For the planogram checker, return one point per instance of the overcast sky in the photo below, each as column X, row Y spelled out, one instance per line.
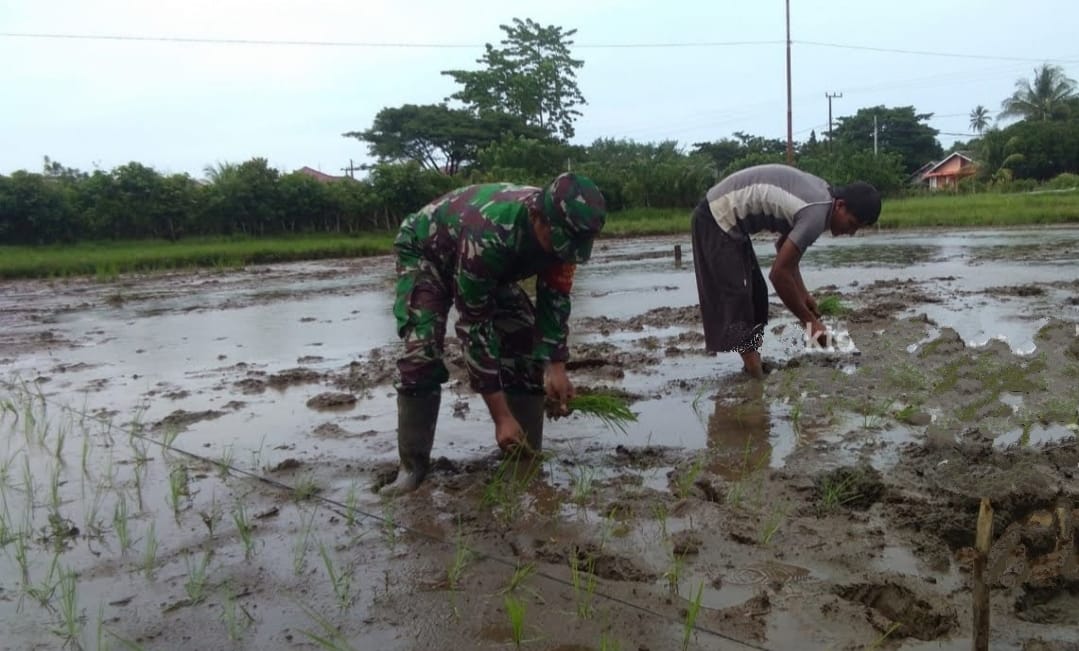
column 182, row 106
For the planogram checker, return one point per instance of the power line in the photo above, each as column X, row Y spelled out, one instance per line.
column 956, row 55
column 199, row 40
column 435, row 45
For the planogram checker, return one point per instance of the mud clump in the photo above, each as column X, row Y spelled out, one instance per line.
column 332, row 401
column 1023, row 291
column 181, row 419
column 747, row 620
column 292, row 377
column 250, row 385
column 893, row 605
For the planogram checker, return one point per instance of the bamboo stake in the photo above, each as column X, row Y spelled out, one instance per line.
column 982, row 541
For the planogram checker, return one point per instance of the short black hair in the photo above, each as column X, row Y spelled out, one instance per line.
column 863, row 201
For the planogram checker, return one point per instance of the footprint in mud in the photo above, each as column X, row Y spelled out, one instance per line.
column 770, row 573
column 895, row 608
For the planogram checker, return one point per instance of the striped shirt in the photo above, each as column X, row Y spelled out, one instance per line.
column 775, row 198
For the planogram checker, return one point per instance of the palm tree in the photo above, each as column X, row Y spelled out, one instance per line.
column 979, row 119
column 1044, row 98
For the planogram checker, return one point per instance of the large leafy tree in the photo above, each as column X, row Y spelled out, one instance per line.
column 900, row 129
column 435, row 136
column 532, row 76
column 1045, row 97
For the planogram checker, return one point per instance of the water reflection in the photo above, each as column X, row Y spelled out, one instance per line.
column 739, row 430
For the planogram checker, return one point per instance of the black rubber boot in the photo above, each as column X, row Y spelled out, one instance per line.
column 416, row 420
column 528, row 409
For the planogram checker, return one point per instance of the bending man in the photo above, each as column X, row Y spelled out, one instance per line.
column 777, row 198
column 469, row 249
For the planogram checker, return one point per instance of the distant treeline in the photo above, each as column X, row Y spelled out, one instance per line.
column 133, row 201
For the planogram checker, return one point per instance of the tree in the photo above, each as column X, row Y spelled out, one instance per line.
column 1045, row 98
column 532, row 77
column 899, row 129
column 437, row 137
column 979, row 119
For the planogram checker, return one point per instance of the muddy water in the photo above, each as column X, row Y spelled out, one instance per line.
column 287, row 371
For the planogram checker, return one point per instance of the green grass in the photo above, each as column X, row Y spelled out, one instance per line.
column 106, row 260
column 611, row 409
column 1021, row 209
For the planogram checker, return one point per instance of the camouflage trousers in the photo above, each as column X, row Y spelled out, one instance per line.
column 421, row 309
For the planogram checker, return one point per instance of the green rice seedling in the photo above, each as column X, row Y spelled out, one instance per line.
column 256, row 454
column 212, row 516
column 659, row 510
column 608, row 643
column 831, row 305
column 302, row 543
column 195, row 586
column 178, row 489
column 141, row 450
column 674, row 571
column 584, row 584
column 583, row 480
column 352, row 502
column 136, row 478
column 610, row 409
column 119, row 524
column 462, row 556
column 101, row 643
column 692, row 612
column 685, row 481
column 512, row 477
column 836, row 490
column 879, row 642
column 92, row 524
column 130, row 645
column 85, row 456
column 54, row 489
column 515, row 610
column 43, row 591
column 61, row 437
column 517, row 581
column 149, row 553
column 389, row 524
column 235, row 616
column 244, row 529
column 340, row 579
column 796, row 418
column 169, row 436
column 305, row 488
column 773, row 524
column 21, row 555
column 329, row 637
column 224, row 462
column 698, row 401
column 70, row 617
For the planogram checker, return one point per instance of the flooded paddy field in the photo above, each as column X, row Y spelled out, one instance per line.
column 188, row 461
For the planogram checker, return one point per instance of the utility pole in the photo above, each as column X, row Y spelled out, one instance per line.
column 830, row 96
column 350, row 169
column 790, row 123
column 874, row 135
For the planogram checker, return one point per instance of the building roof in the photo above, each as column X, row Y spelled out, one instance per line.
column 933, row 170
column 320, row 176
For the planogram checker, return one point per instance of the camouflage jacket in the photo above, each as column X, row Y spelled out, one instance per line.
column 478, row 238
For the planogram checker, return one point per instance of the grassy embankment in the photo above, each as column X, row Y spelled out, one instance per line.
column 944, row 210
column 106, row 260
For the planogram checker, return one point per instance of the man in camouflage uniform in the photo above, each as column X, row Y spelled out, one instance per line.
column 469, row 249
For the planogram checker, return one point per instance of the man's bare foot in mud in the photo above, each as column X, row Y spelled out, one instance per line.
column 752, row 365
